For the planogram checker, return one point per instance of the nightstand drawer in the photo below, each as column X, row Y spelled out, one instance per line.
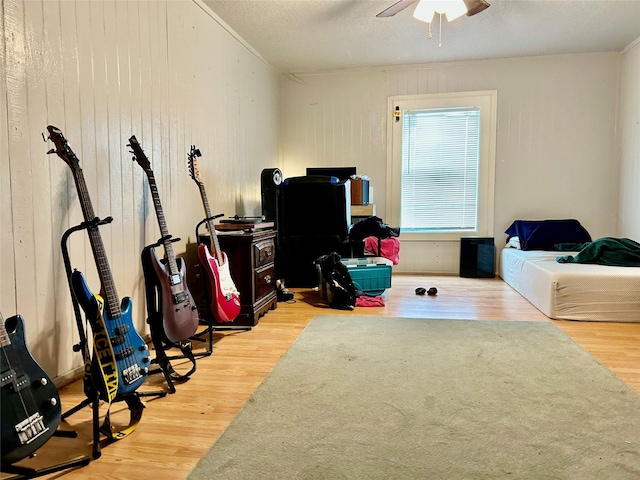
column 265, row 280
column 264, row 252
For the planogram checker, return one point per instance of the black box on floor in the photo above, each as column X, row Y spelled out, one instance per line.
column 477, row 257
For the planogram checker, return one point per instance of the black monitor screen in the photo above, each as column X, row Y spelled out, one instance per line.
column 341, row 173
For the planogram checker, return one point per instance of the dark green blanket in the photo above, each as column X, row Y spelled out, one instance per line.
column 619, row 252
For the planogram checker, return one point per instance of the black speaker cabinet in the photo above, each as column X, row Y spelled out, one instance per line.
column 270, row 180
column 477, row 257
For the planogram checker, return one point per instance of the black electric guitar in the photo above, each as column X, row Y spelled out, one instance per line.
column 30, row 405
column 180, row 317
column 225, row 298
column 121, row 360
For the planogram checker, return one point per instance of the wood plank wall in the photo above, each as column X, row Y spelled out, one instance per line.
column 167, row 72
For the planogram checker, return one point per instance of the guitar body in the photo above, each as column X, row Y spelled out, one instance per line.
column 29, row 399
column 180, row 317
column 225, row 301
column 128, row 347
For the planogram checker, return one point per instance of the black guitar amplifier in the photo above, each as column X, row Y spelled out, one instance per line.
column 477, row 257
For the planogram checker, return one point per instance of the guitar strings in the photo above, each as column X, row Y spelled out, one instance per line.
column 13, row 374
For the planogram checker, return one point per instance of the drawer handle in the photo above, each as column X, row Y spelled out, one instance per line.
column 267, row 279
column 268, row 252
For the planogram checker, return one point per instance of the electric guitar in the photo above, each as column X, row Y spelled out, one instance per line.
column 180, row 318
column 30, row 403
column 225, row 298
column 121, row 358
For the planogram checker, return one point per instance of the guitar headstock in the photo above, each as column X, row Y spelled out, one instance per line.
column 194, row 171
column 138, row 154
column 63, row 150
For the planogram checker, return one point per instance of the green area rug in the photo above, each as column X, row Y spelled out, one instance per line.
column 361, row 397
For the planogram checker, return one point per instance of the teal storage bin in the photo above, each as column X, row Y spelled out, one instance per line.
column 370, row 275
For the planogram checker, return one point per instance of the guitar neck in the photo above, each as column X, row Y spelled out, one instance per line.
column 108, row 286
column 4, row 335
column 164, row 231
column 212, row 231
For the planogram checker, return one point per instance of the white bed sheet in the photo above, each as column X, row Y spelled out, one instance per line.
column 573, row 291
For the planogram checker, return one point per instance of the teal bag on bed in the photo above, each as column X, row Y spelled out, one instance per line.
column 617, row 252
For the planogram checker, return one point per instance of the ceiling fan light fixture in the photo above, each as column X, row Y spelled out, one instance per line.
column 426, row 9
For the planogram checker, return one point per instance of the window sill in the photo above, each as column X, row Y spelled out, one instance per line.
column 436, row 237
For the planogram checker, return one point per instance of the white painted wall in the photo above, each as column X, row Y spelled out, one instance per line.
column 557, row 142
column 169, row 73
column 629, row 217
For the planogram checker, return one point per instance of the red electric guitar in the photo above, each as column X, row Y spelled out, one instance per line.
column 179, row 312
column 225, row 298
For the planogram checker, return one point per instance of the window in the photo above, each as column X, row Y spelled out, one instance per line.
column 442, row 165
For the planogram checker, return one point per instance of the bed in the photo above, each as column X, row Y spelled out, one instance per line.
column 571, row 291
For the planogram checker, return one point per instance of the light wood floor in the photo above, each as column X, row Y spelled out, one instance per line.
column 176, row 431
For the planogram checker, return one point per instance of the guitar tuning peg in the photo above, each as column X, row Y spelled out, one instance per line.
column 44, row 139
column 51, row 151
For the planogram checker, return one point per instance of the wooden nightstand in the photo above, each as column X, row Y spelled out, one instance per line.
column 251, row 257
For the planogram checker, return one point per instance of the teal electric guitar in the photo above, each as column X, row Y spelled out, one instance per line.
column 29, row 403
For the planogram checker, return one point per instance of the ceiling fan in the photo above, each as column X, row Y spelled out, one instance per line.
column 473, row 7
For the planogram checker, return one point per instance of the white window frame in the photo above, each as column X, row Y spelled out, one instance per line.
column 486, row 101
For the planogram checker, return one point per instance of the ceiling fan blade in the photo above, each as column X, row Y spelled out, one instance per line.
column 475, row 6
column 395, row 8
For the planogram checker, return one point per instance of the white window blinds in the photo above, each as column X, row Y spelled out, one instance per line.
column 440, row 170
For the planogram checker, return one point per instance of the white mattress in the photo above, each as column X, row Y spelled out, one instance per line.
column 573, row 291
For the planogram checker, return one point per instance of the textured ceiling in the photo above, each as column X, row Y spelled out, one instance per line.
column 310, row 35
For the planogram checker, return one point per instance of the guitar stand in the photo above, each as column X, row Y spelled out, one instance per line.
column 211, row 322
column 90, row 390
column 161, row 344
column 20, row 473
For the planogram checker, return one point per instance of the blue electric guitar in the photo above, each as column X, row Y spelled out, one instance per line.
column 121, row 357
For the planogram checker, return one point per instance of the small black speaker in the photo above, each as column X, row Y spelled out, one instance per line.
column 477, row 257
column 270, row 180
